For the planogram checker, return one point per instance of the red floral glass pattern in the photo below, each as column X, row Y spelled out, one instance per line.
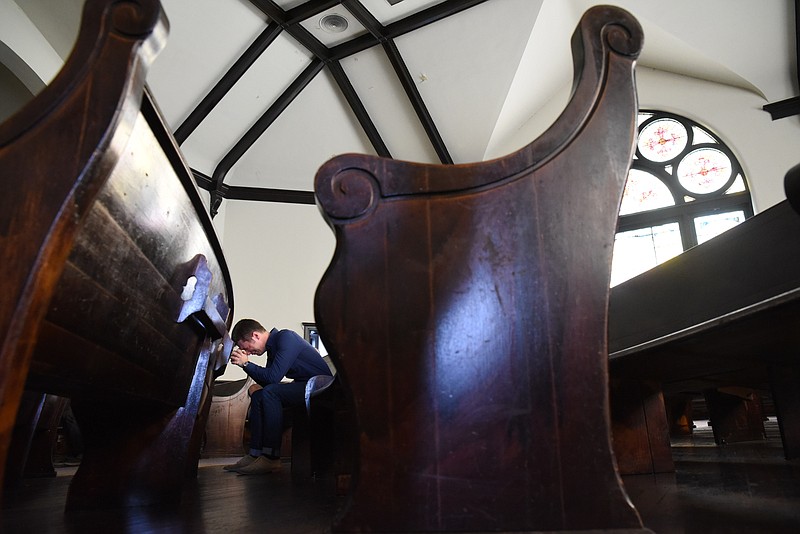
column 662, row 140
column 643, row 191
column 684, row 187
column 704, row 170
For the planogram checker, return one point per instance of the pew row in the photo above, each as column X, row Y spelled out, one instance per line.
column 116, row 292
column 465, row 310
column 722, row 315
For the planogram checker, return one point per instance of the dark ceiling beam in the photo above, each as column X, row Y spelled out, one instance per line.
column 308, row 10
column 790, row 106
column 290, row 21
column 395, row 58
column 416, row 101
column 259, row 194
column 257, row 129
column 225, row 84
column 264, row 194
column 401, row 27
column 296, row 14
column 365, row 17
column 429, row 16
column 783, row 108
column 358, row 108
column 353, row 46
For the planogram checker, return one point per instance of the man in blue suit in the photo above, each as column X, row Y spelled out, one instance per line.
column 288, row 356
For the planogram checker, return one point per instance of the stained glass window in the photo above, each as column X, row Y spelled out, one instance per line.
column 637, row 251
column 704, row 170
column 643, row 191
column 685, row 187
column 662, row 139
column 738, row 186
column 709, row 226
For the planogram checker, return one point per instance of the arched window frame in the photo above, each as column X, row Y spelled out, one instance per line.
column 688, row 205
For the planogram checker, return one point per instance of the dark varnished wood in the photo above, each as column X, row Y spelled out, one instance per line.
column 721, row 314
column 734, row 278
column 736, row 415
column 30, row 411
column 465, row 311
column 226, row 419
column 639, row 428
column 39, row 462
column 791, row 184
column 105, row 228
column 786, row 395
column 29, row 236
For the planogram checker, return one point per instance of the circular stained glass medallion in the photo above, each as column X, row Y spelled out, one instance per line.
column 704, row 170
column 662, row 140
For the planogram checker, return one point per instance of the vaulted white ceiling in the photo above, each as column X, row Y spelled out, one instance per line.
column 480, row 73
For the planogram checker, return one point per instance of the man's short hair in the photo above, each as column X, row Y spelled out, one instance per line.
column 243, row 330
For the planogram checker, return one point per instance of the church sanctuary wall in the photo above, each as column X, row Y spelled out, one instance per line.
column 277, row 254
column 765, row 148
column 27, row 60
column 25, row 51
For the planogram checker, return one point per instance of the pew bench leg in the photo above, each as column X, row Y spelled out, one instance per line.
column 30, row 409
column 735, row 414
column 680, row 415
column 137, row 454
column 119, row 467
column 312, row 443
column 639, row 427
column 786, row 395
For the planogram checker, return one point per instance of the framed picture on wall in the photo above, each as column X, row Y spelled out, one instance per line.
column 311, row 334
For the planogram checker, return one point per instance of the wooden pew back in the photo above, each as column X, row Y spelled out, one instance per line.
column 465, row 309
column 105, row 229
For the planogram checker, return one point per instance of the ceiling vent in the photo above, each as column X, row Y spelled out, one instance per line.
column 333, row 23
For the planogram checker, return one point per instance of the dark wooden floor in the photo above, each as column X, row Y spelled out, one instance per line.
column 742, row 488
column 739, row 488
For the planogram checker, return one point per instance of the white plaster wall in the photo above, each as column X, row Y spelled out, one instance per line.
column 13, row 93
column 277, row 254
column 765, row 148
column 24, row 50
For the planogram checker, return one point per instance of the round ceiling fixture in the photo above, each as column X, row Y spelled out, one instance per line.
column 333, row 23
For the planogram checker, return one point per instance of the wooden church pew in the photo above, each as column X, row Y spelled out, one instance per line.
column 225, row 429
column 724, row 314
column 35, row 436
column 116, row 292
column 465, row 310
